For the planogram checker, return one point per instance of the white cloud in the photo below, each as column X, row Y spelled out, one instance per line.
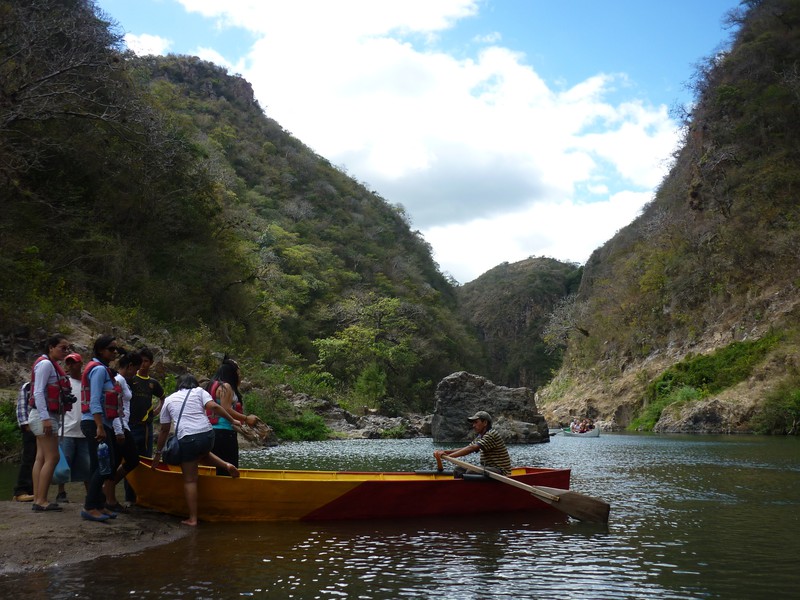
column 489, row 38
column 145, row 44
column 564, row 230
column 490, row 162
column 212, row 55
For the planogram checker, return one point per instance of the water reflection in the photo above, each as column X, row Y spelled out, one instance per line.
column 690, row 516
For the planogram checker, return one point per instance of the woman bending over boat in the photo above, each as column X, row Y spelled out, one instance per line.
column 195, row 435
column 224, row 389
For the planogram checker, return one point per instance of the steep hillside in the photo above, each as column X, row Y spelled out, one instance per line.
column 156, row 194
column 509, row 306
column 711, row 266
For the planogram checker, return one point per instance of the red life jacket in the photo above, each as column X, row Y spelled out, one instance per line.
column 112, row 399
column 53, row 391
column 214, row 417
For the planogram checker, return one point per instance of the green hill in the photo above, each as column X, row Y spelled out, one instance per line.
column 156, row 194
column 509, row 308
column 710, row 268
column 153, row 197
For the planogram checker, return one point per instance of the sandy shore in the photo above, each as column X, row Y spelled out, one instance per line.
column 31, row 541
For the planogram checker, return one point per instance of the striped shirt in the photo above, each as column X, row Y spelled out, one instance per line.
column 494, row 452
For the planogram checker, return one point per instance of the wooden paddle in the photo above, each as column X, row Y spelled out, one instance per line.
column 583, row 508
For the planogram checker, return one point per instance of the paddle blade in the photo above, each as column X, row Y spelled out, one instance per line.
column 583, row 508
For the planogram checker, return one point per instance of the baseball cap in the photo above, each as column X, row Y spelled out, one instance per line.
column 481, row 414
column 74, row 357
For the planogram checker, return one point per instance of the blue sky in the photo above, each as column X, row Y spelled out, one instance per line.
column 506, row 128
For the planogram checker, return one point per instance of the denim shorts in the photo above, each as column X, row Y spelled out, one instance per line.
column 76, row 450
column 196, row 446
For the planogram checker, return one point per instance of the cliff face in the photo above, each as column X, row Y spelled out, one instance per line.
column 712, row 261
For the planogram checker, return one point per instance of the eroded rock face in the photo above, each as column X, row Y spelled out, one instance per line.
column 513, row 410
column 710, row 415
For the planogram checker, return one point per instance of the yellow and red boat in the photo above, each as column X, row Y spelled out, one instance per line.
column 274, row 495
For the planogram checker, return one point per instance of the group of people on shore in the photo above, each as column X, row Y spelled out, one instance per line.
column 109, row 404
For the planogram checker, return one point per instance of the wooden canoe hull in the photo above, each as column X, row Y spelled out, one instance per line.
column 271, row 495
column 593, row 433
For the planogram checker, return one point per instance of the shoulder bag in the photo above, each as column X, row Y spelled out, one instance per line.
column 171, row 453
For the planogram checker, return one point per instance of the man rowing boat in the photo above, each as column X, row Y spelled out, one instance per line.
column 494, row 454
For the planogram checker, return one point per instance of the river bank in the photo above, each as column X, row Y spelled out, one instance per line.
column 33, row 541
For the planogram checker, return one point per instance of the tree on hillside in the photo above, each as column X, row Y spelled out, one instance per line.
column 179, row 206
column 58, row 61
column 87, row 160
column 567, row 317
column 375, row 353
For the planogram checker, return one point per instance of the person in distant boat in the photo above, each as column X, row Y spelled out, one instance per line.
column 575, row 426
column 195, row 436
column 494, row 454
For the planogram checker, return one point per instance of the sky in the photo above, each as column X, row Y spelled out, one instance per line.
column 505, row 128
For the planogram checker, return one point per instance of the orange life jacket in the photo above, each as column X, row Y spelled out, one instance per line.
column 53, row 391
column 112, row 399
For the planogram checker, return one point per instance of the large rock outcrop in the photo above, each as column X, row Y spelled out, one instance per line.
column 513, row 410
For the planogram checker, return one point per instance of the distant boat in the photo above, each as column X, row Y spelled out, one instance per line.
column 591, row 433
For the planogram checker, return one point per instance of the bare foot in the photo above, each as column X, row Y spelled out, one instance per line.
column 190, row 522
column 233, row 471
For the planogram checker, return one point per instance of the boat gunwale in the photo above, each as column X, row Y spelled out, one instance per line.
column 324, row 475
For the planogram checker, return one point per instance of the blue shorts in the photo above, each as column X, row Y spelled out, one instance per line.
column 76, row 451
column 196, row 446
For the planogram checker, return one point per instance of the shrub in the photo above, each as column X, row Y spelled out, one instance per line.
column 395, row 433
column 651, row 413
column 696, row 377
column 308, row 426
column 713, row 372
column 308, row 380
column 780, row 413
column 10, row 440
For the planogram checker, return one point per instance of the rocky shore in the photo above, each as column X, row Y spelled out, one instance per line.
column 32, row 541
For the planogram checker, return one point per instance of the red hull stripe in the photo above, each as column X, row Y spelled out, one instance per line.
column 390, row 499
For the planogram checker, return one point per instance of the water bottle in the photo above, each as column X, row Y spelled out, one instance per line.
column 103, row 459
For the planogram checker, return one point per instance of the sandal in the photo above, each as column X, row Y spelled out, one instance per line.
column 52, row 507
column 90, row 517
column 117, row 508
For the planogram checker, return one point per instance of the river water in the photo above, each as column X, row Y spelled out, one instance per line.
column 691, row 517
